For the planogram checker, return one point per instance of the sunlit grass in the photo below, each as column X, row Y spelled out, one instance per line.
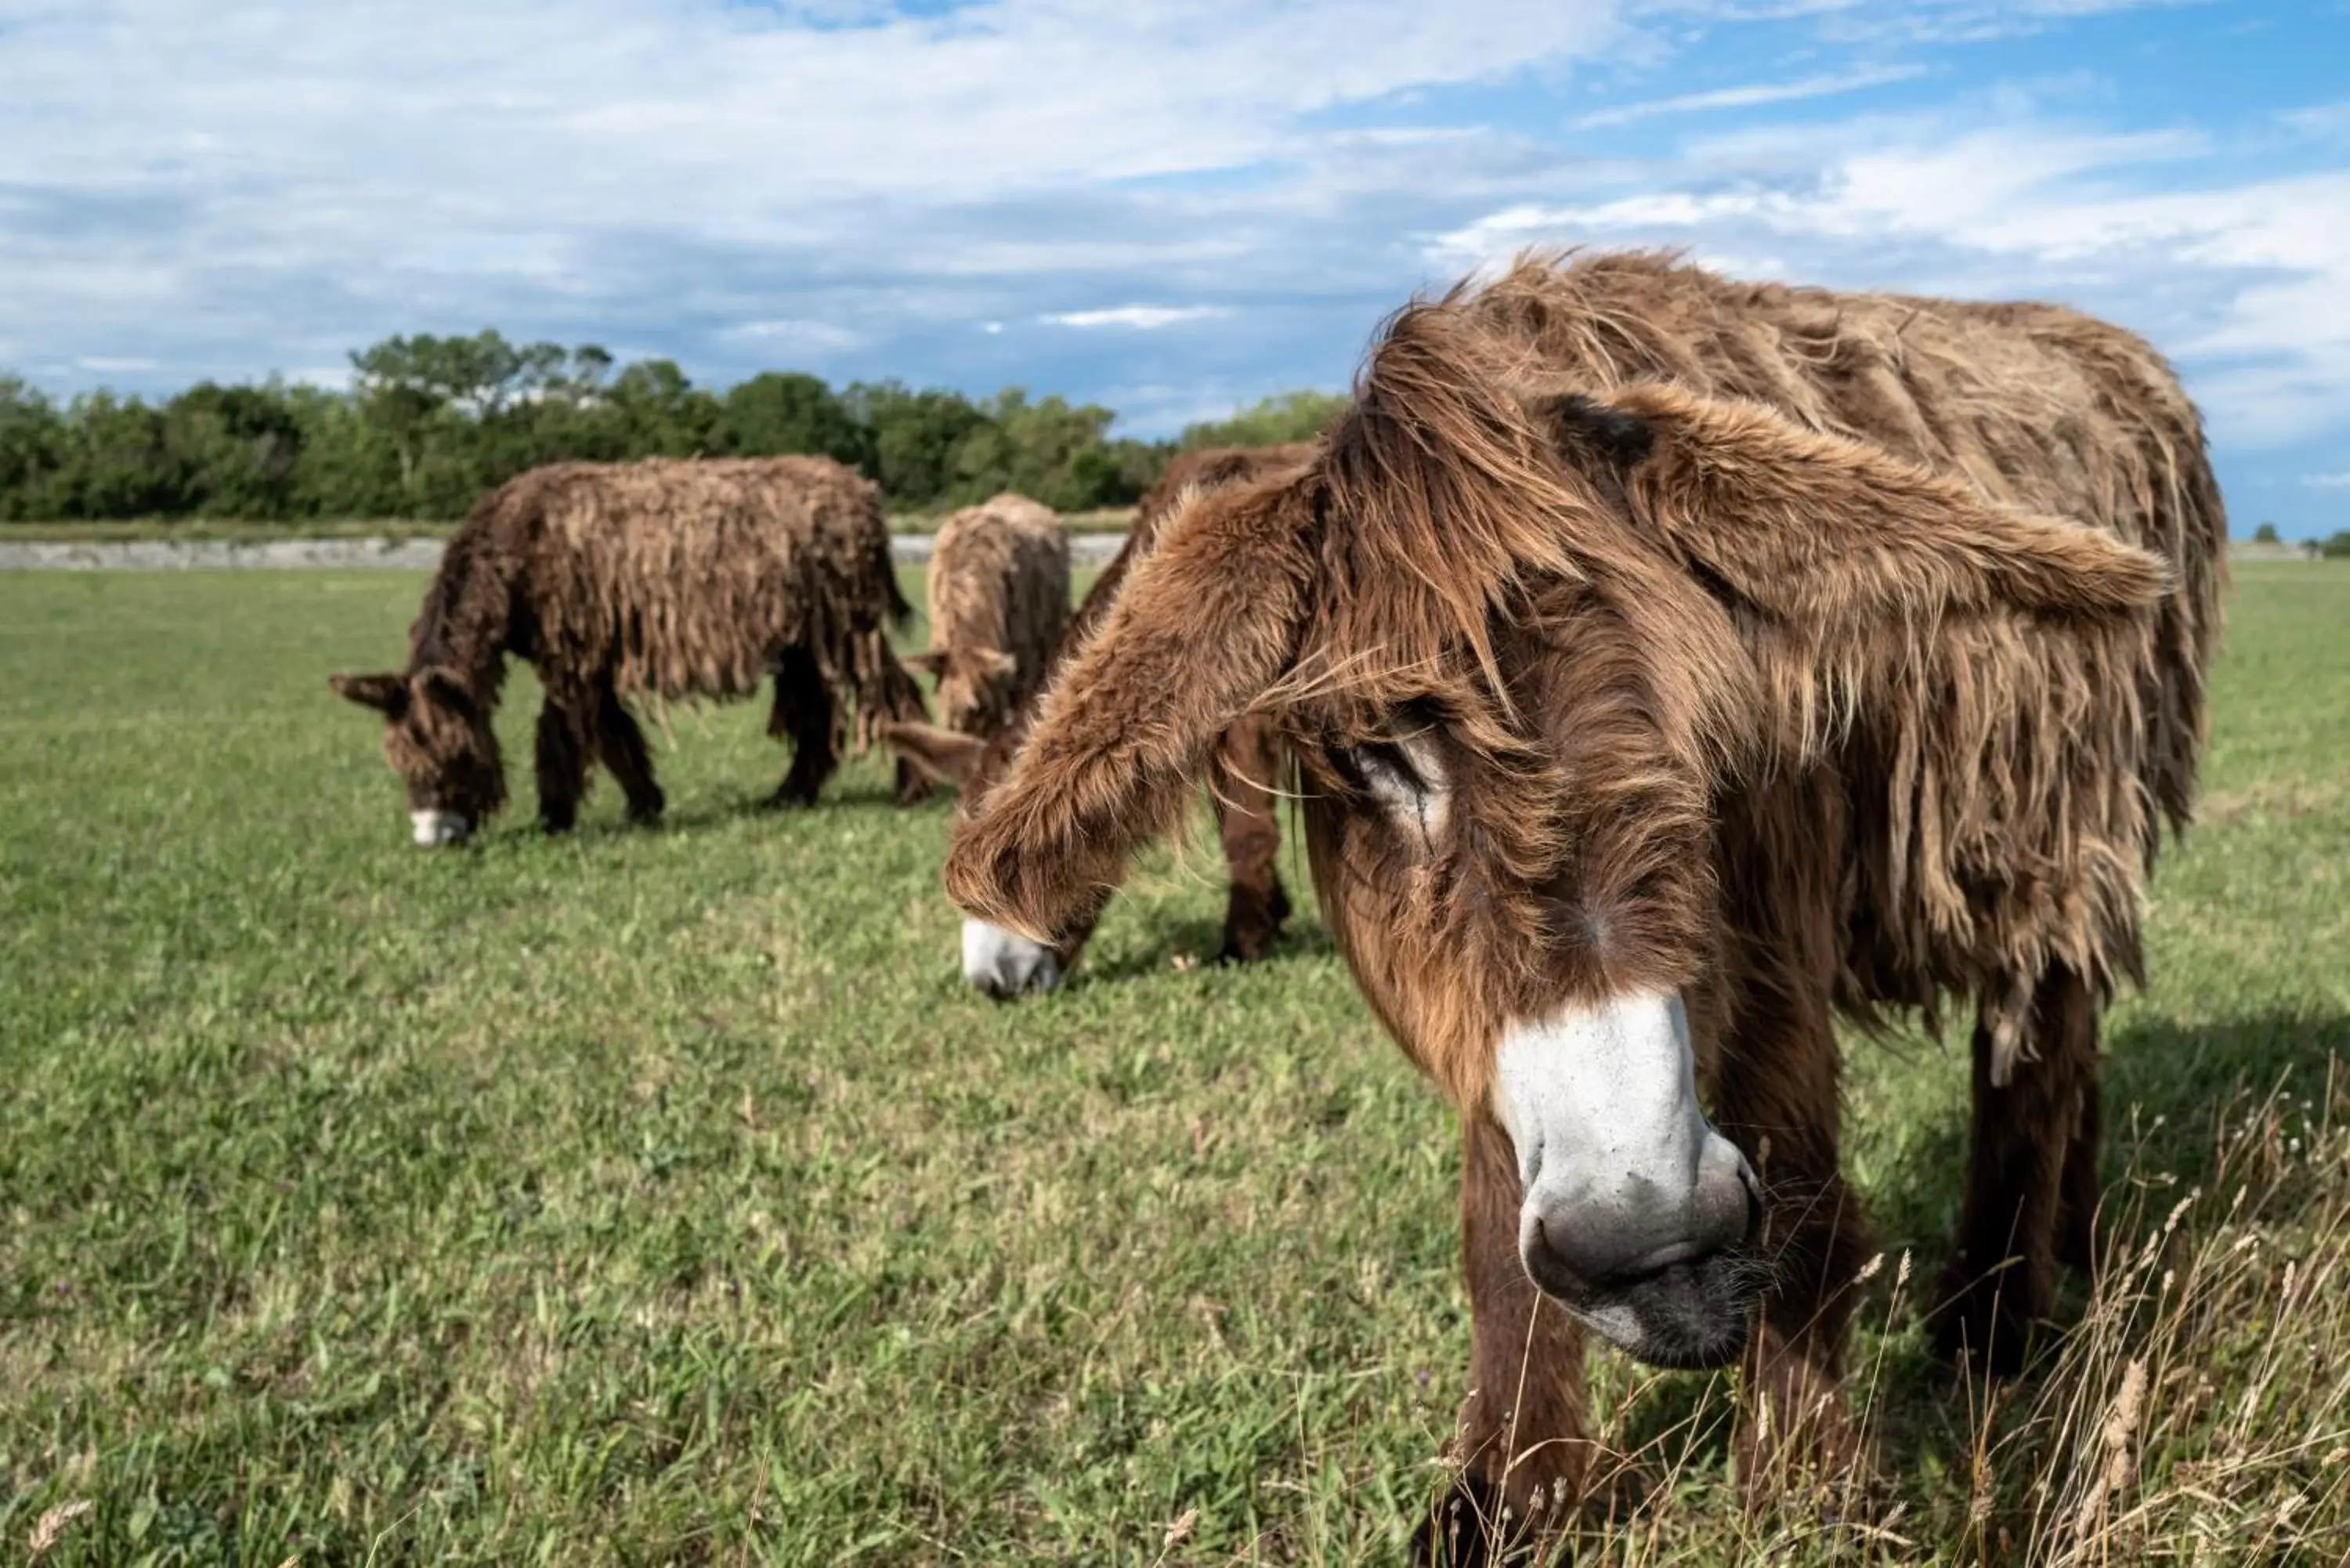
column 644, row 1197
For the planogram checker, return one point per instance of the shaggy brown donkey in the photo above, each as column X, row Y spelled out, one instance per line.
column 1241, row 769
column 662, row 579
column 1673, row 664
column 999, row 593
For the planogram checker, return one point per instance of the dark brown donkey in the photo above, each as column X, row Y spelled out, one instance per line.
column 662, row 579
column 1673, row 664
column 1241, row 767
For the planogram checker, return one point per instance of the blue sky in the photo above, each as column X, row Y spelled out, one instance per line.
column 1171, row 207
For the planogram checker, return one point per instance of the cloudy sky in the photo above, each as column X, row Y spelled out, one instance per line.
column 1169, row 207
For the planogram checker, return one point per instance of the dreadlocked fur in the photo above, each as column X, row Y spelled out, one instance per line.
column 999, row 602
column 1243, row 766
column 1793, row 652
column 662, row 580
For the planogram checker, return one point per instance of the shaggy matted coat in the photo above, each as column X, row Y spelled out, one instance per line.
column 662, row 580
column 1242, row 773
column 1642, row 634
column 999, row 603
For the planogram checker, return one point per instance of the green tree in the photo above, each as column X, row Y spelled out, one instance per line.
column 32, row 435
column 2335, row 547
column 1269, row 421
column 778, row 412
column 662, row 413
column 118, row 461
column 914, row 438
column 236, row 448
column 2266, row 534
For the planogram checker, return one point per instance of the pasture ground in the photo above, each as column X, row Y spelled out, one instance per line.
column 642, row 1197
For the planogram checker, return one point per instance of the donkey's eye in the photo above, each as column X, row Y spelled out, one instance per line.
column 1387, row 770
column 1405, row 778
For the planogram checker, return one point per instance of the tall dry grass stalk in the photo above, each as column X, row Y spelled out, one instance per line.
column 2200, row 1411
column 2197, row 1411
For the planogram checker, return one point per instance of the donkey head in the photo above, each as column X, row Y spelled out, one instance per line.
column 974, row 687
column 1004, row 964
column 1521, row 637
column 440, row 741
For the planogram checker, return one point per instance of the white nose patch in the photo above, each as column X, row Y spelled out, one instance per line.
column 1600, row 1103
column 433, row 828
column 1004, row 963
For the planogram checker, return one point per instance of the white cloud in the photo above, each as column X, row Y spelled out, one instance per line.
column 112, row 364
column 250, row 183
column 799, row 335
column 1749, row 97
column 1141, row 317
column 2327, row 480
column 2249, row 282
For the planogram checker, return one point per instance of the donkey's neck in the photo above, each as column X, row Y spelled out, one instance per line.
column 467, row 618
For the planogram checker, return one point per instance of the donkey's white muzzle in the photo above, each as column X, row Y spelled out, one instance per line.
column 1625, row 1183
column 1004, row 963
column 434, row 828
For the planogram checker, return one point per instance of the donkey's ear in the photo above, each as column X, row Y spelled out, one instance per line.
column 386, row 693
column 1201, row 627
column 439, row 685
column 1831, row 534
column 943, row 756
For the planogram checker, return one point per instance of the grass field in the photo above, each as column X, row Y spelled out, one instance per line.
column 661, row 1196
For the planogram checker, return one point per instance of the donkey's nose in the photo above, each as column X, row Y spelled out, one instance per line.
column 432, row 830
column 1576, row 1243
column 1005, row 964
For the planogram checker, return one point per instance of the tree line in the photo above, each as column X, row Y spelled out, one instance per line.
column 429, row 423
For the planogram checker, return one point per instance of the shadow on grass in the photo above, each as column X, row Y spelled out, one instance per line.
column 1198, row 941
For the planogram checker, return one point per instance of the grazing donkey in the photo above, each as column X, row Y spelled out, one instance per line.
column 999, row 593
column 1671, row 665
column 664, row 579
column 1240, row 770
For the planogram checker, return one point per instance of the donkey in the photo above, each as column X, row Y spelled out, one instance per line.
column 1242, row 770
column 665, row 579
column 1671, row 665
column 999, row 601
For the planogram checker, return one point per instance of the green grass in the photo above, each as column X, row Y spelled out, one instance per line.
column 651, row 1196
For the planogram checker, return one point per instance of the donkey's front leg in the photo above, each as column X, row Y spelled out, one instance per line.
column 1523, row 1456
column 1779, row 1102
column 562, row 758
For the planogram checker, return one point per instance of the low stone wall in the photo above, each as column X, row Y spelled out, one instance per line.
column 360, row 554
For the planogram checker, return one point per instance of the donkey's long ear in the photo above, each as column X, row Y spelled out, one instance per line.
column 1831, row 536
column 386, row 693
column 1200, row 628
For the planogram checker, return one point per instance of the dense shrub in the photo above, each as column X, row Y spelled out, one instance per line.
column 430, row 423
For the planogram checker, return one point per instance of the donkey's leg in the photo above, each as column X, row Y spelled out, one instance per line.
column 804, row 710
column 2002, row 1276
column 2076, row 1209
column 621, row 744
column 1778, row 1103
column 1525, row 1460
column 561, row 757
column 1242, row 779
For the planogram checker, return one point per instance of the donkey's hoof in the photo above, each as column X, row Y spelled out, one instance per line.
column 789, row 797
